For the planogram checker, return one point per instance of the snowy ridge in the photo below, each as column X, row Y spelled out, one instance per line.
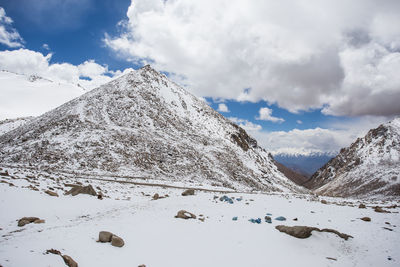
column 369, row 167
column 143, row 125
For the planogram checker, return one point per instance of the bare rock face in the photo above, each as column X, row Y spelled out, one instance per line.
column 117, row 241
column 305, row 231
column 26, row 220
column 105, row 236
column 77, row 189
column 188, row 192
column 183, row 214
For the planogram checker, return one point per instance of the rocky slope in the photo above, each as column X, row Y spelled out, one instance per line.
column 143, row 125
column 369, row 167
column 11, row 124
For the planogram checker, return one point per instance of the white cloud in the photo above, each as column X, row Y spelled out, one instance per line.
column 89, row 74
column 8, row 35
column 299, row 122
column 300, row 55
column 46, row 46
column 246, row 125
column 223, row 108
column 265, row 114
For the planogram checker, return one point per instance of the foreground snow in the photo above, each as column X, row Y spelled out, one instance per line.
column 154, row 237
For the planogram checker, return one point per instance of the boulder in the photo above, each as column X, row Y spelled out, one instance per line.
column 362, row 206
column 77, row 189
column 117, row 241
column 305, row 231
column 26, row 220
column 188, row 192
column 366, row 219
column 183, row 214
column 380, row 210
column 105, row 236
column 280, row 218
column 268, row 219
column 156, row 196
column 324, row 201
column 69, row 261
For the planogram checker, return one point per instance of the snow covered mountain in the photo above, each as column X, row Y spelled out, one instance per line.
column 369, row 167
column 142, row 125
column 19, row 91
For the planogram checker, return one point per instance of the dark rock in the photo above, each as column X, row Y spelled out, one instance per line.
column 51, row 193
column 77, row 189
column 305, row 231
column 235, row 218
column 362, row 206
column 324, row 201
column 268, row 219
column 380, row 210
column 257, row 221
column 156, row 196
column 188, row 192
column 280, row 218
column 26, row 220
column 295, row 219
column 105, row 236
column 69, row 261
column 183, row 214
column 366, row 219
column 53, row 251
column 117, row 241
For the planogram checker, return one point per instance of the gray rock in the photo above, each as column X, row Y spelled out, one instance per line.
column 188, row 192
column 105, row 236
column 117, row 241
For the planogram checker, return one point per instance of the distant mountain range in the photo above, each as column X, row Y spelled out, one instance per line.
column 306, row 165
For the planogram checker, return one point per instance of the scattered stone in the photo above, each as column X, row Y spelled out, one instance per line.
column 295, row 219
column 33, row 188
column 269, row 214
column 202, row 219
column 380, row 210
column 268, row 219
column 26, row 220
column 280, row 218
column 387, row 223
column 51, row 193
column 362, row 206
column 105, row 236
column 235, row 218
column 258, row 220
column 386, row 228
column 188, row 192
column 366, row 219
column 100, row 195
column 53, row 251
column 142, row 265
column 305, row 231
column 324, row 201
column 69, row 261
column 183, row 214
column 117, row 241
column 227, row 199
column 156, row 196
column 329, row 258
column 77, row 189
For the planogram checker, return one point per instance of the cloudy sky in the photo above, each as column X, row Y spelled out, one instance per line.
column 301, row 76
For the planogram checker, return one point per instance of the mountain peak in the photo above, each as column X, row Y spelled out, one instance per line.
column 144, row 125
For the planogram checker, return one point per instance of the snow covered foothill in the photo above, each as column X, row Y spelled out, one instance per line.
column 154, row 237
column 11, row 124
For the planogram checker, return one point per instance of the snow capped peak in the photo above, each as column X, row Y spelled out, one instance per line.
column 144, row 125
